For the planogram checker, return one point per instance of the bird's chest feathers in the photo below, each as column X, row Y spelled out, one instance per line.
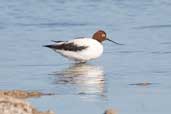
column 94, row 50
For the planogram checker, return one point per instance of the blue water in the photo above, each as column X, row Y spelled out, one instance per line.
column 113, row 80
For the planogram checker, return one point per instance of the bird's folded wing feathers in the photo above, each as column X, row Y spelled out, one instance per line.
column 73, row 45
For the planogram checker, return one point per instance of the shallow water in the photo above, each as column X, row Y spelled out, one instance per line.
column 132, row 78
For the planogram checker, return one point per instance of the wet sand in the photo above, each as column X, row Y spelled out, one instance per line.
column 22, row 94
column 13, row 102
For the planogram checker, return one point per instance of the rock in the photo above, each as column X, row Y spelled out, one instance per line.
column 110, row 111
column 12, row 102
column 11, row 105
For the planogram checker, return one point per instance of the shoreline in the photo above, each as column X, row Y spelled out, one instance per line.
column 14, row 102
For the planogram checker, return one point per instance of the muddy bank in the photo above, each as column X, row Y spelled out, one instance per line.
column 12, row 102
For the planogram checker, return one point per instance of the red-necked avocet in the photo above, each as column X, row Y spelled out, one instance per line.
column 82, row 49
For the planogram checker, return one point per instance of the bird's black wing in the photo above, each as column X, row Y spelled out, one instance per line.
column 57, row 41
column 66, row 46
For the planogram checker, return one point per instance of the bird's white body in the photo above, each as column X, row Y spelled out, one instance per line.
column 93, row 49
column 82, row 49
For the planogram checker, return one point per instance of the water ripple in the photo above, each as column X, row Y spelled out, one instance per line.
column 153, row 26
column 166, row 43
column 143, row 84
column 161, row 52
column 130, row 52
column 52, row 24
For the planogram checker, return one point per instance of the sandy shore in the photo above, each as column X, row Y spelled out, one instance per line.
column 13, row 102
column 20, row 94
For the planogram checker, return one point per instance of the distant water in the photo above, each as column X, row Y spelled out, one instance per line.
column 133, row 78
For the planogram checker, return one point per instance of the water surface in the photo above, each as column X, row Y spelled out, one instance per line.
column 133, row 78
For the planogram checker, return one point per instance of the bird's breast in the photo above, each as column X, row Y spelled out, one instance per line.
column 94, row 50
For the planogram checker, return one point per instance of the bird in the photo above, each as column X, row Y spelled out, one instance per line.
column 82, row 49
